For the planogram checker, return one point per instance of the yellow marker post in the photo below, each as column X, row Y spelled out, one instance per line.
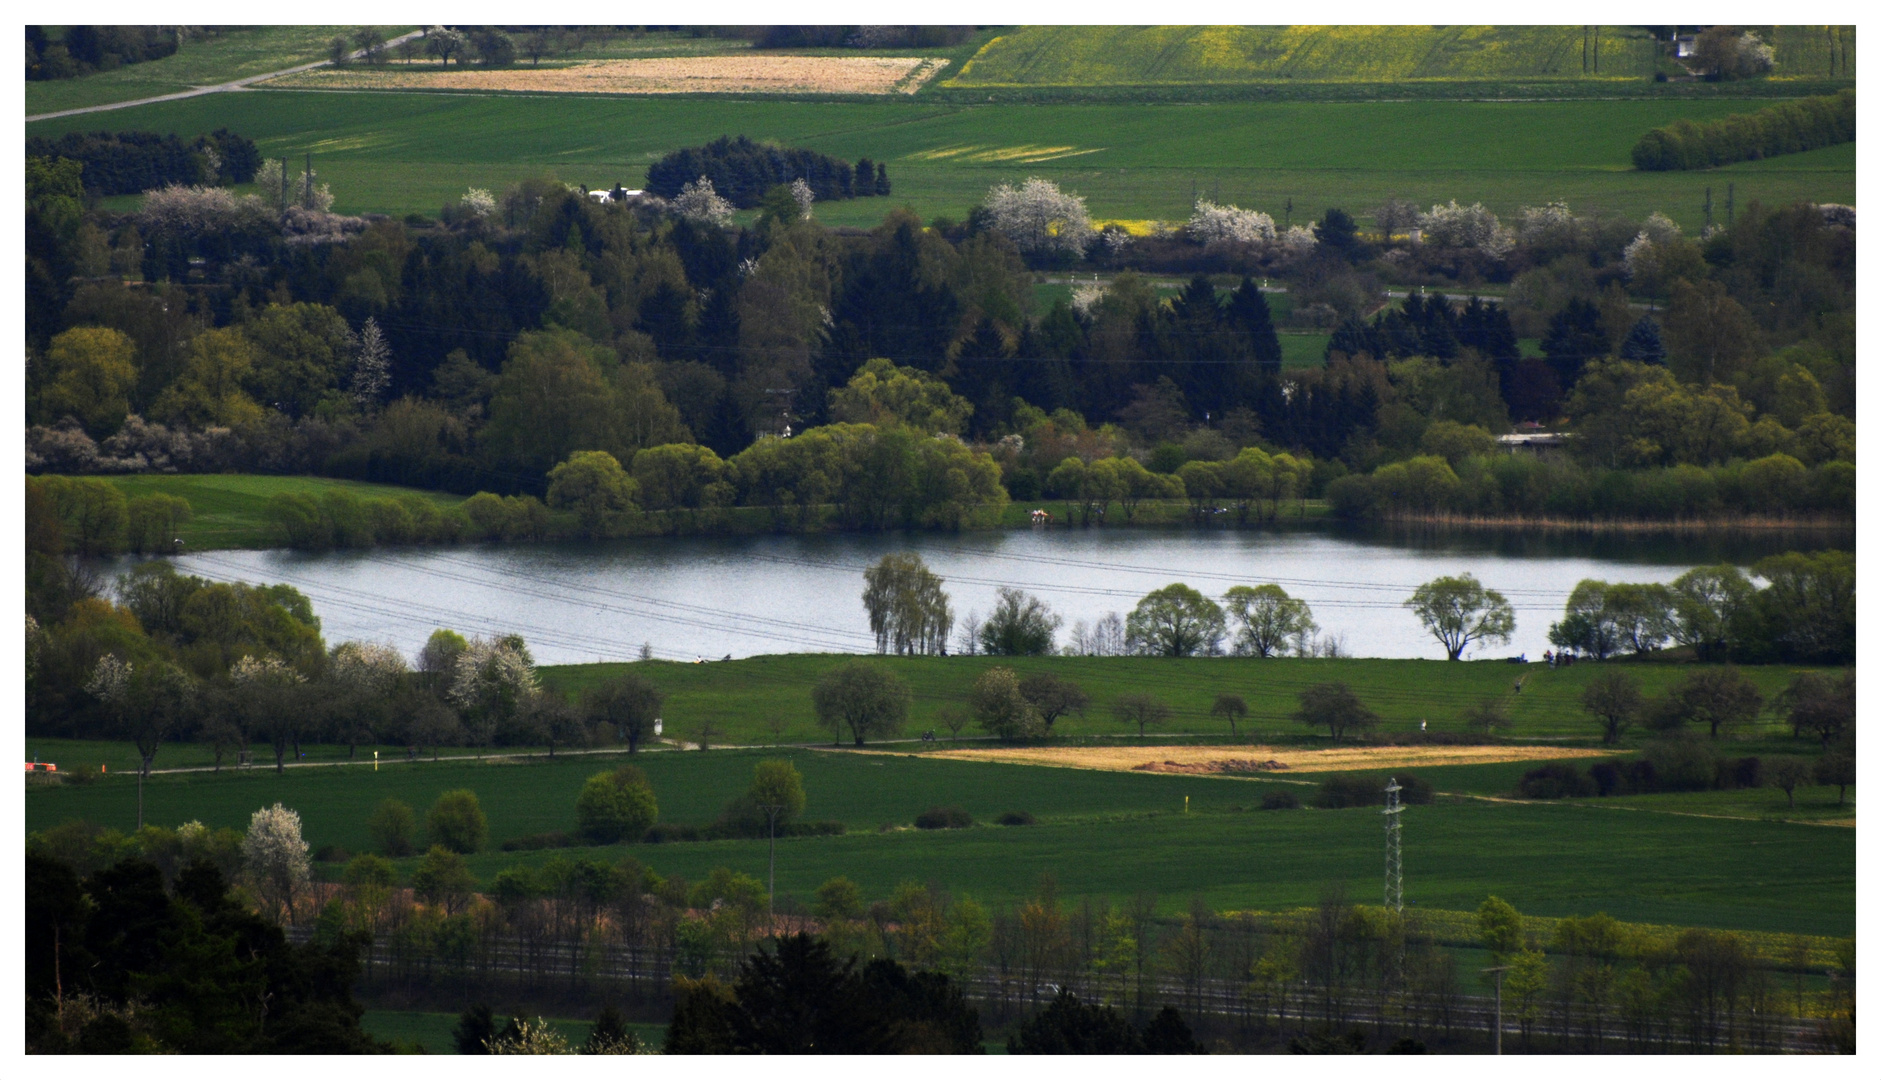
column 1185, row 804
column 375, row 761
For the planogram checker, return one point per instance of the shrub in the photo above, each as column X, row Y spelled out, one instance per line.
column 538, row 842
column 1017, row 817
column 1608, row 778
column 1416, row 791
column 332, row 853
column 616, row 806
column 1555, row 780
column 1280, row 800
column 943, row 817
column 456, row 822
column 391, row 826
column 672, row 834
column 1342, row 790
column 1681, row 764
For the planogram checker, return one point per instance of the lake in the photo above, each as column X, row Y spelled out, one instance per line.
column 743, row 596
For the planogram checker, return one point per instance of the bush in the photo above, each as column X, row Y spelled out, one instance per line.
column 1017, row 817
column 391, row 827
column 616, row 806
column 943, row 817
column 1681, row 764
column 539, row 842
column 456, row 822
column 1342, row 790
column 1416, row 790
column 332, row 853
column 672, row 834
column 1280, row 800
column 1555, row 780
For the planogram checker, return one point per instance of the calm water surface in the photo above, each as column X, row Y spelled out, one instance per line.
column 745, row 596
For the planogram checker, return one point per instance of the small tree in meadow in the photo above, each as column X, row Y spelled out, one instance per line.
column 456, row 822
column 1229, row 707
column 1143, row 710
column 616, row 806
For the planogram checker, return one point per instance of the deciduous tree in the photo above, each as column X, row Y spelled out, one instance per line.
column 1458, row 611
column 1175, row 620
column 864, row 697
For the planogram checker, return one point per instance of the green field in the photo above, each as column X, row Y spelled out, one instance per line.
column 404, row 153
column 740, row 696
column 236, row 53
column 1188, row 55
column 1548, row 859
column 229, row 510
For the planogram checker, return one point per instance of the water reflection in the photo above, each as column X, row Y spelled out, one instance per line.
column 742, row 596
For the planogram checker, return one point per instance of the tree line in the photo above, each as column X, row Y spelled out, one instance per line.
column 132, row 162
column 669, row 328
column 81, row 50
column 1789, row 128
column 743, row 171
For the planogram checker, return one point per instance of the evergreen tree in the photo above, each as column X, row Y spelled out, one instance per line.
column 1249, row 314
column 881, row 180
column 865, row 177
column 1643, row 343
column 1575, row 336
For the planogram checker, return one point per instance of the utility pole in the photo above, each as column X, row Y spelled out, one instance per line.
column 1394, row 851
column 771, row 811
column 1497, row 971
column 306, row 199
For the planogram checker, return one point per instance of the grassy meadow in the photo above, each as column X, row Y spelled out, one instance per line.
column 1548, row 859
column 204, row 60
column 411, row 153
column 229, row 510
column 740, row 697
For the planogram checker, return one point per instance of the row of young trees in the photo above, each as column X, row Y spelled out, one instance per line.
column 1804, row 613
column 1789, row 128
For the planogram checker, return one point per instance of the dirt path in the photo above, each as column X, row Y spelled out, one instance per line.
column 234, row 84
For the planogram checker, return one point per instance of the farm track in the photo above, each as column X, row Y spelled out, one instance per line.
column 218, row 88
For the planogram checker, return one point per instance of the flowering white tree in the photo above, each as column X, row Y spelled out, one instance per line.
column 1553, row 225
column 372, row 668
column 1210, row 222
column 1085, row 297
column 109, row 678
column 479, row 202
column 1470, row 226
column 1300, row 239
column 182, row 209
column 372, row 366
column 275, row 858
column 800, row 191
column 699, row 201
column 1643, row 253
column 491, row 681
column 1038, row 218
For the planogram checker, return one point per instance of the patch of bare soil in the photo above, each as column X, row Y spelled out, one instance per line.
column 649, row 75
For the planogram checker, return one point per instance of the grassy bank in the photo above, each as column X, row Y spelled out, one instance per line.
column 405, row 153
column 230, row 510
